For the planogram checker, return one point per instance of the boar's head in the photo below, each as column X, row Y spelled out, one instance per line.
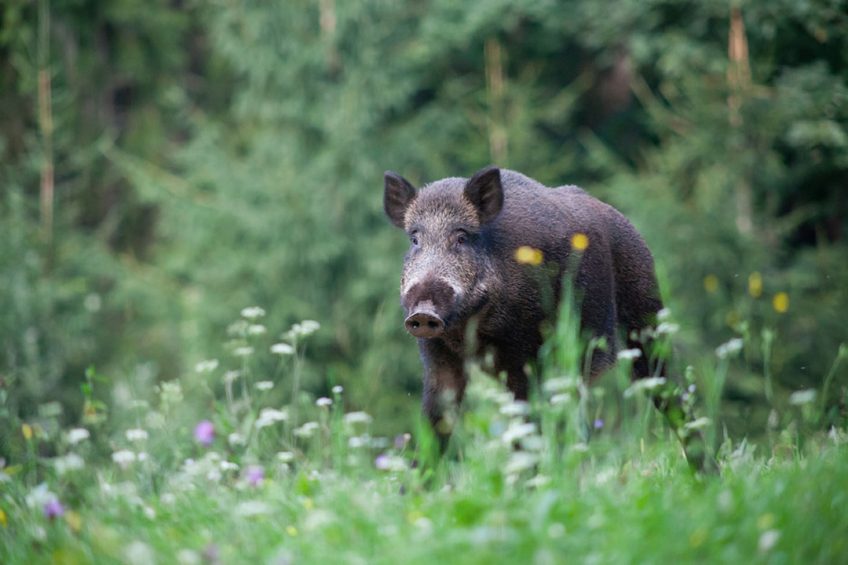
column 448, row 270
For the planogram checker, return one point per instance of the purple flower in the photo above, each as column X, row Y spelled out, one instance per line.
column 204, row 433
column 382, row 462
column 599, row 423
column 53, row 508
column 254, row 475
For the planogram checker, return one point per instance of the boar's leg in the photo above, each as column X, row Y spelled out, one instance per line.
column 444, row 386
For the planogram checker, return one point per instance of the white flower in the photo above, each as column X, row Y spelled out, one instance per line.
column 269, row 416
column 667, row 328
column 664, row 314
column 282, row 349
column 236, row 439
column 136, row 434
column 517, row 408
column 629, row 354
column 323, row 402
column 520, row 461
column 124, row 458
column 264, row 385
column 77, row 435
column 338, row 389
column 256, row 329
column 357, row 418
column 70, row 462
column 252, row 312
column 538, row 481
column 229, row 466
column 285, row 456
column 390, row 463
column 188, row 557
column 649, row 385
column 139, row 553
column 243, row 351
column 731, row 347
column 560, row 384
column 306, row 430
column 559, row 399
column 206, row 366
column 142, row 456
column 231, row 376
column 800, row 397
column 698, row 424
column 516, row 431
column 768, row 540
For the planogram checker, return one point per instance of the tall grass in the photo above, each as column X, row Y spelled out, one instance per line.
column 235, row 463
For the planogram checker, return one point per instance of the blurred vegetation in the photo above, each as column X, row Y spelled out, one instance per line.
column 165, row 164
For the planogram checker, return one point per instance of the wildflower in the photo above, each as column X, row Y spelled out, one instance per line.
column 667, row 328
column 142, row 456
column 256, row 329
column 520, row 461
column 579, row 241
column 264, row 385
column 698, row 424
column 664, row 314
column 517, row 408
column 390, row 463
column 711, row 284
column 285, row 456
column 629, row 354
column 291, row 530
column 170, row 392
column 53, row 509
column 768, row 540
column 755, row 284
column 243, row 351
column 139, row 553
column 136, row 434
column 338, row 389
column 800, row 397
column 231, row 376
column 255, row 475
column 649, row 385
column 402, row 440
column 77, row 435
column 527, row 255
column 70, row 462
column 538, row 481
column 124, row 458
column 309, row 326
column 26, row 431
column 323, row 402
column 270, row 416
column 282, row 349
column 729, row 348
column 306, row 430
column 206, row 366
column 229, row 466
column 598, row 424
column 252, row 312
column 780, row 302
column 204, row 433
column 562, row 398
column 235, row 439
column 517, row 431
column 188, row 557
column 560, row 384
column 357, row 418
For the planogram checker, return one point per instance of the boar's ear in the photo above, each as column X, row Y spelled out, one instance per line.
column 485, row 192
column 397, row 196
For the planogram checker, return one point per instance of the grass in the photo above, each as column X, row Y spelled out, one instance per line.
column 599, row 477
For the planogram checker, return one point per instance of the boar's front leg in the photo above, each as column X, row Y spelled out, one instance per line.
column 444, row 386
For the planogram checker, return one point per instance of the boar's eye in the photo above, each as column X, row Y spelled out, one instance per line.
column 461, row 237
column 413, row 238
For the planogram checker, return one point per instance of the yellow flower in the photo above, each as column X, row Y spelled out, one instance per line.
column 527, row 255
column 291, row 530
column 780, row 302
column 711, row 283
column 26, row 429
column 74, row 520
column 308, row 504
column 755, row 284
column 3, row 520
column 579, row 241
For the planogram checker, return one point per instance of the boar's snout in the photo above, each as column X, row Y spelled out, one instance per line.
column 424, row 322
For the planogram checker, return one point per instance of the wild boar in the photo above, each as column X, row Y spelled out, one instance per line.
column 464, row 292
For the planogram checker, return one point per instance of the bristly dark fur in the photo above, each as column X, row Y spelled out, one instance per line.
column 462, row 264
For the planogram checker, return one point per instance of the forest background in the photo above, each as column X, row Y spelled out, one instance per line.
column 164, row 164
